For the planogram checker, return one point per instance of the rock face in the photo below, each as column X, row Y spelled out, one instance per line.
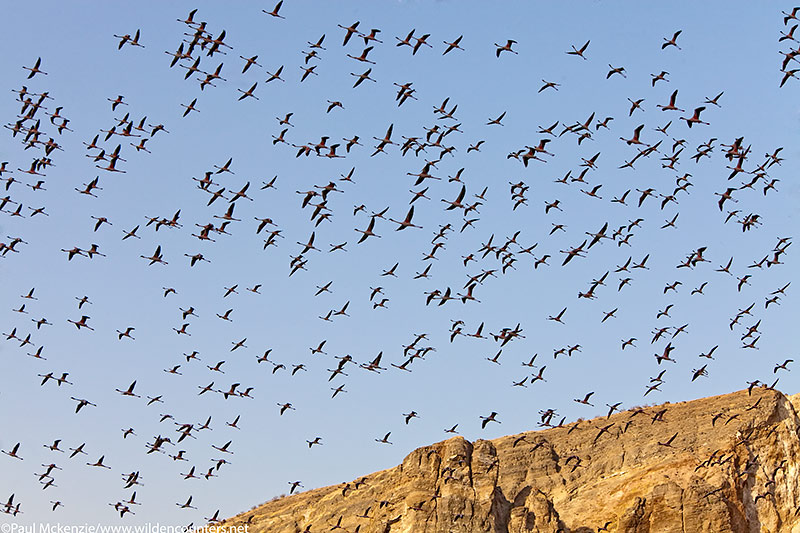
column 721, row 464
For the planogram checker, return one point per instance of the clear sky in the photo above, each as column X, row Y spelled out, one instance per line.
column 723, row 47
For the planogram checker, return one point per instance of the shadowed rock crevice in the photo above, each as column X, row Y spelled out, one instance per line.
column 722, row 464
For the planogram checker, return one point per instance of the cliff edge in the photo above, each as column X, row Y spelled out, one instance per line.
column 720, row 464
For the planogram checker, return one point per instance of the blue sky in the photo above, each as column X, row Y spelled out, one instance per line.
column 454, row 383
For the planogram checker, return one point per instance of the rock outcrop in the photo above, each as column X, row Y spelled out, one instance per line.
column 721, row 464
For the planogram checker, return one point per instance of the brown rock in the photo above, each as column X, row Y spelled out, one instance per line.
column 722, row 464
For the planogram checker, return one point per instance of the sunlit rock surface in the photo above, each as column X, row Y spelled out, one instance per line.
column 721, row 464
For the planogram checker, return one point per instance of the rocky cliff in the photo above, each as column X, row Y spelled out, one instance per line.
column 721, row 464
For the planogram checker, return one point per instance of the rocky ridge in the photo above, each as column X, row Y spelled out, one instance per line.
column 720, row 464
